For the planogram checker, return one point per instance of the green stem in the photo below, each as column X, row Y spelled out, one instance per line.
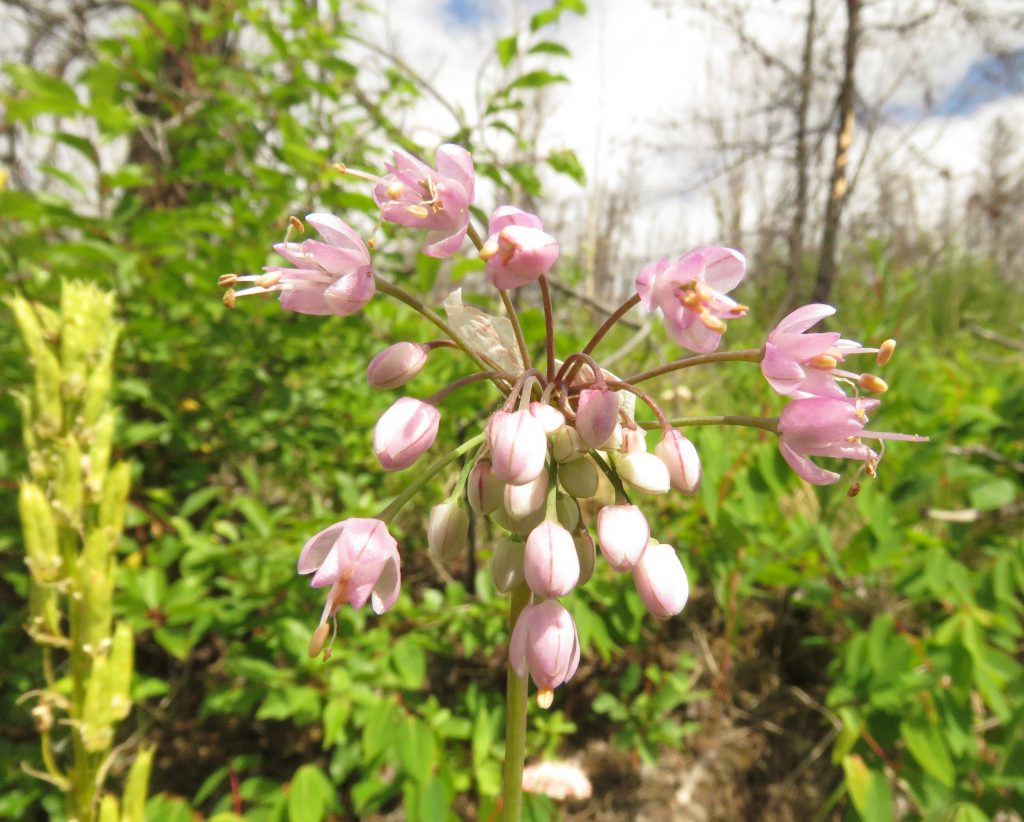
column 396, row 504
column 606, row 326
column 515, row 720
column 764, row 423
column 613, row 477
column 549, row 327
column 517, row 327
column 744, row 355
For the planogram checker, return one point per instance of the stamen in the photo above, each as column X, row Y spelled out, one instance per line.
column 545, row 698
column 854, row 490
column 739, row 310
column 417, row 211
column 690, row 300
column 711, row 322
column 825, row 362
column 885, row 352
column 297, row 224
column 869, row 382
column 267, row 280
column 371, row 243
column 229, row 298
column 319, row 639
column 703, row 291
column 395, row 190
column 340, row 168
column 489, row 249
column 227, row 279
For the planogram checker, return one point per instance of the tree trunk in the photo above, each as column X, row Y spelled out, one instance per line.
column 838, row 189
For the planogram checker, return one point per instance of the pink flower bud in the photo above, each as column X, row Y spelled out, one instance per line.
column 579, row 477
column 587, row 554
column 396, row 365
column 596, row 416
column 523, row 500
column 404, row 432
column 507, row 563
column 544, row 642
column 623, row 533
column 633, row 440
column 643, row 472
column 484, row 491
column 552, row 567
column 549, row 417
column 447, row 531
column 681, row 459
column 518, row 446
column 661, row 581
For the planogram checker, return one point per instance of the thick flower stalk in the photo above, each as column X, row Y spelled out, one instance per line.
column 564, row 432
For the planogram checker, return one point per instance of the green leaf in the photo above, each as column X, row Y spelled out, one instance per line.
column 310, row 794
column 994, row 493
column 417, row 748
column 868, row 789
column 566, row 162
column 410, row 662
column 256, row 513
column 44, row 94
column 966, row 812
column 550, row 47
column 536, row 79
column 927, row 746
column 507, row 49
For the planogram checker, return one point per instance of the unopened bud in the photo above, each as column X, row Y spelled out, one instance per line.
column 523, row 500
column 885, row 351
column 566, row 444
column 596, row 416
column 633, row 439
column 551, row 565
column 549, row 417
column 643, row 472
column 623, row 533
column 586, row 552
column 396, row 365
column 507, row 563
column 579, row 477
column 484, row 491
column 661, row 581
column 681, row 459
column 447, row 531
column 518, row 446
column 567, row 510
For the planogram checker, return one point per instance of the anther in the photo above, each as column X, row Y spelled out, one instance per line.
column 885, row 352
column 371, row 243
column 340, row 168
column 869, row 382
column 489, row 249
column 268, row 280
column 854, row 490
column 712, row 323
column 297, row 224
column 690, row 300
column 229, row 298
column 319, row 639
column 227, row 279
column 825, row 362
column 739, row 310
column 395, row 190
column 545, row 697
column 417, row 211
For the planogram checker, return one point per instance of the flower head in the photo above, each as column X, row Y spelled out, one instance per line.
column 800, row 365
column 331, row 277
column 416, row 196
column 359, row 560
column 829, row 427
column 517, row 250
column 691, row 294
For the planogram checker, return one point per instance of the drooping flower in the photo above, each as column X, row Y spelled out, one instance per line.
column 518, row 446
column 830, row 427
column 332, row 277
column 661, row 581
column 447, row 531
column 518, row 250
column 691, row 294
column 416, row 196
column 359, row 560
column 681, row 458
column 800, row 365
column 597, row 415
column 404, row 432
column 552, row 565
column 544, row 642
column 396, row 365
column 557, row 780
column 623, row 533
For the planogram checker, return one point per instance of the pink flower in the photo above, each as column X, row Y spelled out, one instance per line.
column 552, row 565
column 596, row 415
column 829, row 427
column 517, row 250
column 557, row 780
column 800, row 365
column 332, row 277
column 544, row 642
column 518, row 446
column 691, row 294
column 623, row 534
column 416, row 196
column 661, row 581
column 396, row 365
column 359, row 560
column 404, row 432
column 681, row 459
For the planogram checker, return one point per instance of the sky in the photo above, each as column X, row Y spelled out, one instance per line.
column 644, row 74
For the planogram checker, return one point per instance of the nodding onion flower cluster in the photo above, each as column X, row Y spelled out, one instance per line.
column 565, row 432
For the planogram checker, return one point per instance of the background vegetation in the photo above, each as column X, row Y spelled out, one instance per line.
column 840, row 658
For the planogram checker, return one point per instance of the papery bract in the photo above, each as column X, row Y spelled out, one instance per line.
column 681, row 458
column 661, row 581
column 552, row 567
column 396, row 365
column 691, row 294
column 544, row 642
column 416, row 196
column 404, row 432
column 518, row 446
column 623, row 533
